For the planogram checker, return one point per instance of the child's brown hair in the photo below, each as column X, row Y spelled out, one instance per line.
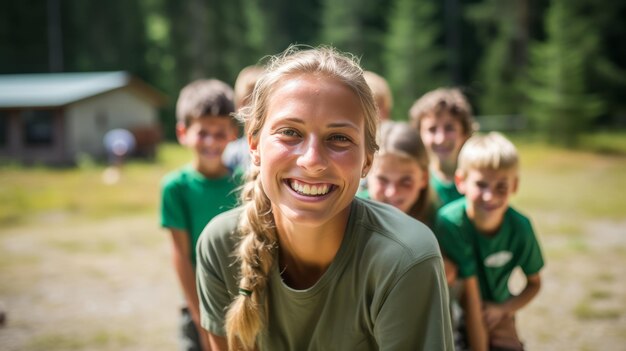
column 444, row 100
column 202, row 98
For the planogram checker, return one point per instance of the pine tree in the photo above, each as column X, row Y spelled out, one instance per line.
column 412, row 57
column 559, row 104
column 503, row 28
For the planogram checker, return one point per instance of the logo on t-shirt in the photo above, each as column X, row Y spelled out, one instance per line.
column 498, row 259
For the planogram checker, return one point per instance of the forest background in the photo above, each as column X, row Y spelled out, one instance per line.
column 557, row 67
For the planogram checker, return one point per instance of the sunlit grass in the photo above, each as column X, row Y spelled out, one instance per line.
column 584, row 310
column 600, row 294
column 63, row 341
column 29, row 193
column 576, row 183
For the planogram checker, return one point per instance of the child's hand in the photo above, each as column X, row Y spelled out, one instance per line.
column 493, row 314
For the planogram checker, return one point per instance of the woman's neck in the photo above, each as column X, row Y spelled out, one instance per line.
column 305, row 253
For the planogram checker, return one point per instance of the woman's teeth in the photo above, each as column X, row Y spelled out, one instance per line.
column 307, row 189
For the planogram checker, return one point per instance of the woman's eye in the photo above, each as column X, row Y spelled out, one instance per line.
column 289, row 132
column 339, row 138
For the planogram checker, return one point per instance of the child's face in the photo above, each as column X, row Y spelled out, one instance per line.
column 487, row 192
column 443, row 136
column 311, row 150
column 208, row 137
column 396, row 181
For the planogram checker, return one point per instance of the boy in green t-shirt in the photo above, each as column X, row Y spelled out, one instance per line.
column 486, row 238
column 197, row 192
column 443, row 118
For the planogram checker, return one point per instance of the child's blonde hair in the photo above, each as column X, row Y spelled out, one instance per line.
column 202, row 98
column 400, row 139
column 244, row 84
column 381, row 92
column 489, row 151
column 256, row 251
column 440, row 101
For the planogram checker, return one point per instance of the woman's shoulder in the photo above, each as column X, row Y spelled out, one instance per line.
column 219, row 234
column 395, row 233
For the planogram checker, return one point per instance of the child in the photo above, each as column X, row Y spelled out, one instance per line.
column 399, row 174
column 384, row 102
column 443, row 118
column 236, row 154
column 382, row 94
column 303, row 264
column 194, row 194
column 487, row 238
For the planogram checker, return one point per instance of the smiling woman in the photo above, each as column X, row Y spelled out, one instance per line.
column 313, row 267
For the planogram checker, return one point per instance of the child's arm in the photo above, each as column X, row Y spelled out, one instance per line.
column 494, row 313
column 471, row 301
column 187, row 277
column 450, row 269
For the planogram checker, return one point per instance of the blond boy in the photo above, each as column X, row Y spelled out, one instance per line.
column 486, row 238
column 195, row 193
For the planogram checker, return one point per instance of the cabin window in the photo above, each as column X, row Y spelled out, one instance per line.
column 38, row 127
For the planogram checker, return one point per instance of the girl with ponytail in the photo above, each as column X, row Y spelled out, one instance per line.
column 302, row 264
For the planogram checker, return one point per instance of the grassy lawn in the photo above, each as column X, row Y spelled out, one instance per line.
column 29, row 194
column 84, row 265
column 581, row 183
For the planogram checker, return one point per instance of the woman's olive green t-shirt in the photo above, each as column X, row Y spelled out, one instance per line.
column 385, row 289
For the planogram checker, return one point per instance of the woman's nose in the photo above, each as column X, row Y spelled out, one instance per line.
column 313, row 157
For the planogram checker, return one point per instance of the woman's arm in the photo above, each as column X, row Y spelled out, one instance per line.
column 415, row 314
column 218, row 343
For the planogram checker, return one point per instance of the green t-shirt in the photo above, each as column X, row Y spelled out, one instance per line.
column 432, row 211
column 189, row 201
column 446, row 191
column 490, row 258
column 385, row 289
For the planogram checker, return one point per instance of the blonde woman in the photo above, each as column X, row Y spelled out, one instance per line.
column 303, row 264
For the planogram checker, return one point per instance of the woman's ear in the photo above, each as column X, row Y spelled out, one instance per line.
column 369, row 158
column 253, row 145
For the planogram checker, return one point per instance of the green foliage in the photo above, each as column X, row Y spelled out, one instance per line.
column 560, row 105
column 576, row 66
column 340, row 24
column 412, row 57
column 505, row 36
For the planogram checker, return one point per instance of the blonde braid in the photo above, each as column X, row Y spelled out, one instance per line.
column 246, row 315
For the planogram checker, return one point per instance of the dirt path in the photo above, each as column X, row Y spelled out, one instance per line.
column 88, row 286
column 582, row 304
column 108, row 285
